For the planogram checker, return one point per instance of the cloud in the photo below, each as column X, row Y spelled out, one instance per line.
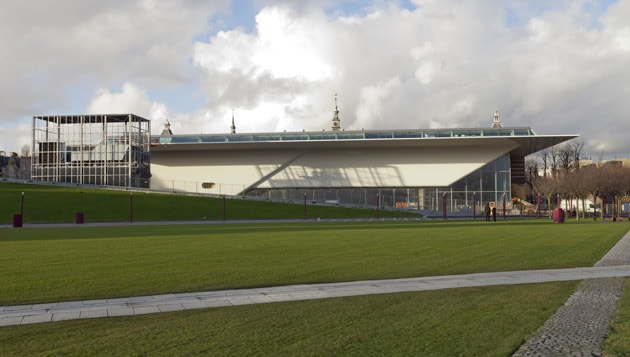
column 131, row 100
column 559, row 67
column 55, row 53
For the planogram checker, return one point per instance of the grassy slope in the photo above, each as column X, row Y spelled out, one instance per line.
column 47, row 204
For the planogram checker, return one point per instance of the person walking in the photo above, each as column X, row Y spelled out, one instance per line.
column 486, row 210
column 494, row 213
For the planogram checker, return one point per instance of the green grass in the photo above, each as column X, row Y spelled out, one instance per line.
column 47, row 204
column 55, row 264
column 618, row 342
column 490, row 321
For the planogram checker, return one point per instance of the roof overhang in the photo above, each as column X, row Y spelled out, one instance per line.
column 525, row 145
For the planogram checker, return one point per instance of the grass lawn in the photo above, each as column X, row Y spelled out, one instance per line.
column 57, row 264
column 618, row 341
column 490, row 321
column 48, row 204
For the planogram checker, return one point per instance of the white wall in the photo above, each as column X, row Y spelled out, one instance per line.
column 234, row 170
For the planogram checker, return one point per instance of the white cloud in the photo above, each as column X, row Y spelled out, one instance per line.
column 559, row 67
column 131, row 100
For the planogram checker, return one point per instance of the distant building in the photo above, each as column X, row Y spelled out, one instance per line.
column 403, row 168
column 14, row 167
column 92, row 149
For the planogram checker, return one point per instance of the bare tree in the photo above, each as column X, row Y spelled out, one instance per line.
column 595, row 183
column 544, row 160
column 613, row 176
column 25, row 151
column 547, row 187
column 532, row 168
column 577, row 152
column 554, row 159
column 565, row 157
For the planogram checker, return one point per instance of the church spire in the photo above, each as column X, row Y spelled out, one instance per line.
column 496, row 121
column 167, row 129
column 336, row 121
column 233, row 127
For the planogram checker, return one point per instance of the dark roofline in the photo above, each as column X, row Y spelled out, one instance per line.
column 91, row 118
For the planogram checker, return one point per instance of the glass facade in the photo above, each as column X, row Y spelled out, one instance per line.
column 342, row 135
column 94, row 149
column 488, row 184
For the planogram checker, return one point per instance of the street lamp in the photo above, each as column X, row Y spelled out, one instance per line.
column 130, row 207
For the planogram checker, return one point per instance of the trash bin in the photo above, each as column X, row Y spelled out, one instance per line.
column 558, row 215
column 17, row 220
column 79, row 218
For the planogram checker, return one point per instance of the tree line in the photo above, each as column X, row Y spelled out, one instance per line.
column 561, row 171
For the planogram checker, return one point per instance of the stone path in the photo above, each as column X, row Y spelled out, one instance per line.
column 580, row 326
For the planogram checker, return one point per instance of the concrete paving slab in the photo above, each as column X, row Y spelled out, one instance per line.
column 36, row 319
column 11, row 320
column 94, row 313
column 260, row 299
column 146, row 309
column 67, row 304
column 142, row 299
column 66, row 315
column 196, row 305
column 281, row 297
column 217, row 303
column 94, row 302
column 171, row 307
column 118, row 300
column 120, row 311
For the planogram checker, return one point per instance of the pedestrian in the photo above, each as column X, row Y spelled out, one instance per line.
column 486, row 210
column 494, row 213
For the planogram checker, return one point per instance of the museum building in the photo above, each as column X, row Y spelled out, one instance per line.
column 404, row 168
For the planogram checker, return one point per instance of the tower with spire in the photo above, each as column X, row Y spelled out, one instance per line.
column 336, row 121
column 233, row 127
column 496, row 121
column 167, row 129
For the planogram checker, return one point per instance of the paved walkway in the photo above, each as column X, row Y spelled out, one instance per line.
column 580, row 326
column 27, row 314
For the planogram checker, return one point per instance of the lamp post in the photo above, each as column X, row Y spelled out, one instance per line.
column 223, row 209
column 444, row 205
column 130, row 207
column 22, row 206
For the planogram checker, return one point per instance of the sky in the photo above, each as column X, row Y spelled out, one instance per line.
column 559, row 67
